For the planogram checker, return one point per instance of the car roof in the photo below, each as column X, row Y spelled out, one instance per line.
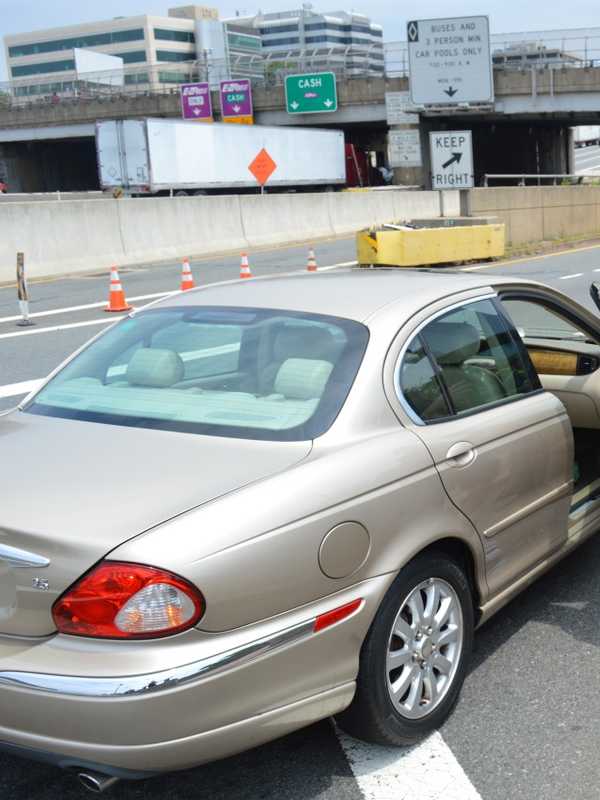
column 352, row 293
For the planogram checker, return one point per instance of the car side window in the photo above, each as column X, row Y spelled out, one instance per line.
column 534, row 320
column 420, row 385
column 463, row 360
column 478, row 356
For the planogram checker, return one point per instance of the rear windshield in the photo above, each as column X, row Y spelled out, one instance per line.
column 237, row 372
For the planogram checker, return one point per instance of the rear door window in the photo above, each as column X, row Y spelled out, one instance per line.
column 466, row 359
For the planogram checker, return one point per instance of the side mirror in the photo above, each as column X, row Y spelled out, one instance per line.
column 595, row 294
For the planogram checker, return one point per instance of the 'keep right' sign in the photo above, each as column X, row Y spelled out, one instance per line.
column 451, row 160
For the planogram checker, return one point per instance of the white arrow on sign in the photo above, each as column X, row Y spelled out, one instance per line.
column 294, row 105
column 451, row 159
column 236, row 108
column 196, row 111
column 328, row 103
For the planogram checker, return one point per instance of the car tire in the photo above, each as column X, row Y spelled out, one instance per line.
column 381, row 710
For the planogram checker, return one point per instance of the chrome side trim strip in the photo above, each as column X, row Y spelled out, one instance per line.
column 156, row 681
column 22, row 558
column 555, row 494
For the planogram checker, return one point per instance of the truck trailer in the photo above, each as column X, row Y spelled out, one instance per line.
column 585, row 135
column 164, row 156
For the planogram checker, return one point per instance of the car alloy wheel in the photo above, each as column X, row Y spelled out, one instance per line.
column 424, row 648
column 414, row 659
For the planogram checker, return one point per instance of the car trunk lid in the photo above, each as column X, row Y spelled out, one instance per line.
column 72, row 491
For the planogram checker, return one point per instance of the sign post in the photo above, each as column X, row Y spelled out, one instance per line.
column 312, row 93
column 22, row 292
column 196, row 102
column 451, row 160
column 236, row 101
column 450, row 62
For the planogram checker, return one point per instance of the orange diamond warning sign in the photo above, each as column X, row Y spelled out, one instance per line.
column 262, row 167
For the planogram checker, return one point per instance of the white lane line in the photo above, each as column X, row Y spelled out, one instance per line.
column 428, row 771
column 53, row 328
column 568, row 277
column 24, row 387
column 33, row 331
column 156, row 295
column 68, row 310
column 335, row 266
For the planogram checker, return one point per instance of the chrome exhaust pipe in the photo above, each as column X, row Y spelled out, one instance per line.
column 96, row 782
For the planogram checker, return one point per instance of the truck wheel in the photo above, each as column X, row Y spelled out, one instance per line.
column 415, row 657
column 181, row 193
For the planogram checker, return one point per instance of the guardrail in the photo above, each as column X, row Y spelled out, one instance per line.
column 577, row 48
column 265, row 71
column 57, row 196
column 541, row 179
column 527, row 50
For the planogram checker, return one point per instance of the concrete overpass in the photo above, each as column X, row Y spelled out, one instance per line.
column 47, row 145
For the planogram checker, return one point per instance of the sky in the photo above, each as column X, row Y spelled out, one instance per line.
column 17, row 16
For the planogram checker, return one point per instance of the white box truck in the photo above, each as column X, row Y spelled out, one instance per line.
column 585, row 135
column 159, row 156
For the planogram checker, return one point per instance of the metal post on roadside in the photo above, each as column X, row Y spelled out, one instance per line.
column 22, row 292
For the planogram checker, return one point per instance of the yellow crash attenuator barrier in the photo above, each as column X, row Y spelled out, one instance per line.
column 404, row 246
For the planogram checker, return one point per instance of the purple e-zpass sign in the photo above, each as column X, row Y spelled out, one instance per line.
column 195, row 101
column 236, row 98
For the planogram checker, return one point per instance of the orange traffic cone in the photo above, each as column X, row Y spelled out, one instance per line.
column 245, row 267
column 187, row 279
column 311, row 265
column 116, row 295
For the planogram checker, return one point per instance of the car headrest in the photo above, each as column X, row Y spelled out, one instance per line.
column 302, row 378
column 154, row 367
column 303, row 341
column 452, row 342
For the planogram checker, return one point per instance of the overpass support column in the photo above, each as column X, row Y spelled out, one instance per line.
column 553, row 151
column 570, row 150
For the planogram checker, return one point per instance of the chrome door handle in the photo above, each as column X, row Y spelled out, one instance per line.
column 461, row 454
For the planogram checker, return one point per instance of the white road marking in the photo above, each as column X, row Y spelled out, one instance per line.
column 155, row 296
column 24, row 387
column 33, row 331
column 53, row 328
column 428, row 771
column 335, row 266
column 69, row 309
column 568, row 277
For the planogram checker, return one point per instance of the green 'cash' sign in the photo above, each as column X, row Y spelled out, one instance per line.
column 312, row 93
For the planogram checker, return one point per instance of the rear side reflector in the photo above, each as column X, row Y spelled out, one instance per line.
column 337, row 615
column 119, row 600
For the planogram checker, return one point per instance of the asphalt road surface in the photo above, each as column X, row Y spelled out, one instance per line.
column 526, row 726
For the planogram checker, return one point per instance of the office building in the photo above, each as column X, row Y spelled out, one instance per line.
column 345, row 38
column 155, row 51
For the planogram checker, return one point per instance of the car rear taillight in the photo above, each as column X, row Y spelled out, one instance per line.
column 118, row 600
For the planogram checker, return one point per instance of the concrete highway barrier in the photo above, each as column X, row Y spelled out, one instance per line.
column 534, row 214
column 278, row 218
column 88, row 235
